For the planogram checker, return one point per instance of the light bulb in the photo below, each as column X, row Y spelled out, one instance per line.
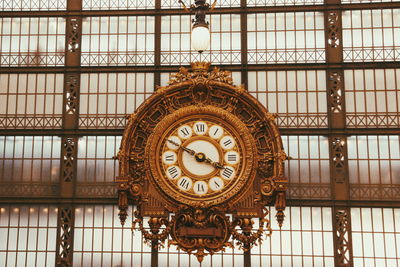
column 200, row 38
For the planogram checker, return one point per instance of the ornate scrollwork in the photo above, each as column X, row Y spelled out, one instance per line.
column 153, row 237
column 123, row 206
column 200, row 70
column 200, row 231
column 247, row 239
column 280, row 204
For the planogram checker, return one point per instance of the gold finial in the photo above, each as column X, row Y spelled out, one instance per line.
column 200, row 66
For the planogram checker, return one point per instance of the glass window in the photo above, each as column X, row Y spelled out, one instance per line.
column 30, row 159
column 114, row 41
column 106, row 98
column 371, row 35
column 297, row 97
column 297, row 37
column 32, row 41
column 28, row 234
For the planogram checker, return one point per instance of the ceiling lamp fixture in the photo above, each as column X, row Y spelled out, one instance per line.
column 200, row 30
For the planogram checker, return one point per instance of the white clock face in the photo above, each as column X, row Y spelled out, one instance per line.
column 196, row 167
column 201, row 157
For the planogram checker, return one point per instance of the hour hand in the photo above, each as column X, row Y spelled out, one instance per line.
column 188, row 150
column 215, row 164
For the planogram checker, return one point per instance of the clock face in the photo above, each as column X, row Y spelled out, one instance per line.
column 200, row 157
column 197, row 157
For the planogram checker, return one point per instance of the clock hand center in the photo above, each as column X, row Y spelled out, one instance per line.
column 200, row 157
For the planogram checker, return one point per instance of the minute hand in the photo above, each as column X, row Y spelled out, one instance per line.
column 188, row 150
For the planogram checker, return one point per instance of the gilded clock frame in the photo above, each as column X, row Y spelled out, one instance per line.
column 236, row 188
column 183, row 221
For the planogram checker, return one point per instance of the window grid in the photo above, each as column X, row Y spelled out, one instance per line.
column 366, row 1
column 308, row 167
column 305, row 239
column 32, row 41
column 100, row 240
column 372, row 98
column 106, row 98
column 117, row 4
column 31, row 100
column 375, row 236
column 374, row 159
column 275, row 38
column 33, row 5
column 222, row 3
column 33, row 159
column 297, row 97
column 28, row 235
column 117, row 41
column 283, row 2
column 95, row 159
column 371, row 35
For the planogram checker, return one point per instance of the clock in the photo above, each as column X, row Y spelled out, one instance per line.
column 196, row 150
column 201, row 156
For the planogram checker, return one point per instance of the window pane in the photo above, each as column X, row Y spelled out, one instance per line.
column 96, row 164
column 28, row 235
column 375, row 237
column 17, row 5
column 286, row 38
column 114, row 41
column 371, row 35
column 372, row 98
column 374, row 166
column 106, row 98
column 29, row 159
column 308, row 167
column 32, row 41
column 298, row 97
column 31, row 100
column 116, row 4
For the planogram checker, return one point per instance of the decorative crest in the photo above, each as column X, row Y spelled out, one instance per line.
column 200, row 66
column 201, row 70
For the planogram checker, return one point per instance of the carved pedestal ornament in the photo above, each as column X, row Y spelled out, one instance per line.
column 193, row 153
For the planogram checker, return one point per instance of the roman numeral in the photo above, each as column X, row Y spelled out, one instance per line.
column 217, row 184
column 169, row 157
column 184, row 183
column 227, row 173
column 216, row 131
column 200, row 127
column 228, row 142
column 200, row 187
column 232, row 157
column 173, row 172
column 185, row 131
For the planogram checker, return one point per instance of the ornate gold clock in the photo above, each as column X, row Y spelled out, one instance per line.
column 201, row 148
